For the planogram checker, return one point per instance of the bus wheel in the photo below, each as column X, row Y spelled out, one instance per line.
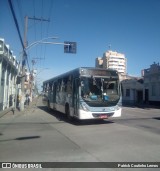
column 69, row 117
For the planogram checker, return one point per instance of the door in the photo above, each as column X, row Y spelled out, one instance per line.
column 54, row 94
column 76, row 96
column 139, row 96
column 146, row 95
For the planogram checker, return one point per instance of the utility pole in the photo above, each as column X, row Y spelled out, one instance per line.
column 24, row 60
column 32, row 79
column 24, row 56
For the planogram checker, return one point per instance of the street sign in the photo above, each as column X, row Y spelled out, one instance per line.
column 70, row 47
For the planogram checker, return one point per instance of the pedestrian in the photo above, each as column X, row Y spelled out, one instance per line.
column 27, row 99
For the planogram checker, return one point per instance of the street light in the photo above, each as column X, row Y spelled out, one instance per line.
column 41, row 42
column 24, row 56
column 23, row 53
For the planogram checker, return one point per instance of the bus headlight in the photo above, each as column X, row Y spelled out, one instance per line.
column 84, row 107
column 117, row 107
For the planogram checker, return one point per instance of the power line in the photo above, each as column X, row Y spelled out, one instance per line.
column 49, row 18
column 16, row 23
column 41, row 20
column 19, row 34
column 42, row 29
column 19, row 7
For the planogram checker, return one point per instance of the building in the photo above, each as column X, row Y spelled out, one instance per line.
column 113, row 60
column 143, row 90
column 132, row 91
column 99, row 62
column 9, row 69
column 151, row 91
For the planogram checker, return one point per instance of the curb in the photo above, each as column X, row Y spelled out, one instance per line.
column 4, row 112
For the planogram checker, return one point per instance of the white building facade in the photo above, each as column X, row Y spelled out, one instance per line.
column 9, row 68
column 113, row 60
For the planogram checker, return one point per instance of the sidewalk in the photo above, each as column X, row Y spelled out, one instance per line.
column 10, row 110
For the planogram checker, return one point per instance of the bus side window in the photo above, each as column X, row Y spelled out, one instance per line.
column 50, row 87
column 63, row 85
column 69, row 85
column 47, row 88
column 58, row 86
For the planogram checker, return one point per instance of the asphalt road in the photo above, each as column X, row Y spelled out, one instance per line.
column 38, row 135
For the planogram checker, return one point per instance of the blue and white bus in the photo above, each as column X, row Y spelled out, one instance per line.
column 85, row 93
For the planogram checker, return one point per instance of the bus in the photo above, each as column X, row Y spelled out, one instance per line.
column 85, row 93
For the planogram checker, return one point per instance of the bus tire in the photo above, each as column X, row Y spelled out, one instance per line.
column 67, row 111
column 48, row 106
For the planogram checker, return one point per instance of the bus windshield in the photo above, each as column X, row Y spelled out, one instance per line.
column 99, row 91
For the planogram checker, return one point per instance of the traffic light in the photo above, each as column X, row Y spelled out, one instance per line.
column 70, row 47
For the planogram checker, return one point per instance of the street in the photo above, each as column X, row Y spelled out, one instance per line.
column 41, row 136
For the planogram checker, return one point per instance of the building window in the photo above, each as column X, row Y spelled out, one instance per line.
column 127, row 92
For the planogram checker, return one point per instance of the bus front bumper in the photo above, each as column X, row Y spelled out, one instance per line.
column 98, row 115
